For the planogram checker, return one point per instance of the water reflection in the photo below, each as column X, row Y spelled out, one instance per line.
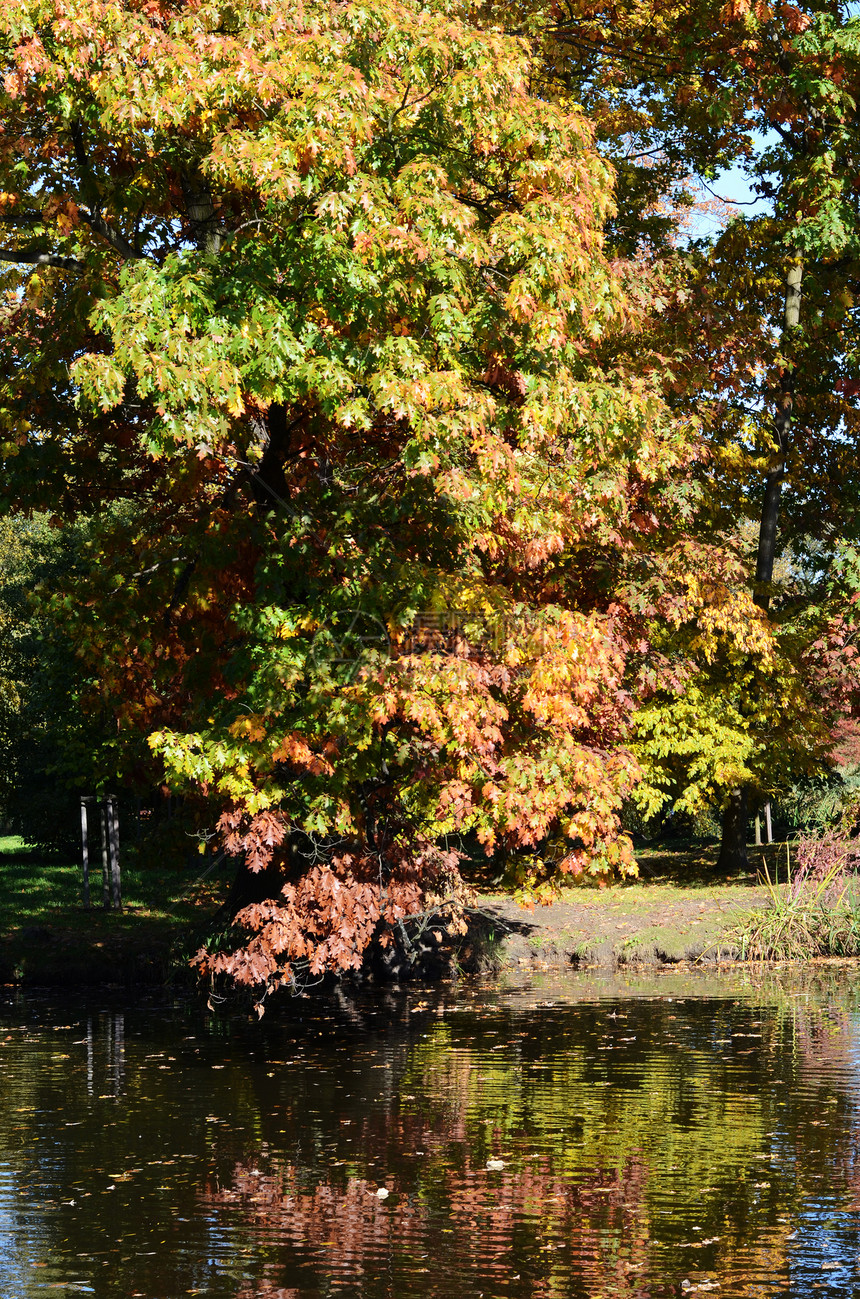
column 697, row 1138
column 108, row 1042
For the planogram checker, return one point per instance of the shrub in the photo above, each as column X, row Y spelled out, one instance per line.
column 813, row 910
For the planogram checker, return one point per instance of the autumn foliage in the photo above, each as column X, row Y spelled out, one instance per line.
column 400, row 450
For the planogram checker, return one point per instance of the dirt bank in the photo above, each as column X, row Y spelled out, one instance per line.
column 677, row 911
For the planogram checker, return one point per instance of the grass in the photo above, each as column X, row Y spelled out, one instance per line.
column 680, row 908
column 676, row 909
column 666, row 943
column 812, row 910
column 47, row 936
column 675, row 881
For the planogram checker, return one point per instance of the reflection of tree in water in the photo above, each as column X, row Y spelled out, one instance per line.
column 828, row 1053
column 811, row 1178
column 623, row 1138
column 643, row 1144
column 528, row 1226
column 825, row 1043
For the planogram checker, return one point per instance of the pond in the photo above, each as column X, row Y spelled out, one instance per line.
column 585, row 1136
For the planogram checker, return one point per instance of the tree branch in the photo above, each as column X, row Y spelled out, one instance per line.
column 40, row 259
column 113, row 237
column 21, row 219
column 93, row 217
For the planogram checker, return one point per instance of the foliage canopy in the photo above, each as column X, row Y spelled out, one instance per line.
column 420, row 455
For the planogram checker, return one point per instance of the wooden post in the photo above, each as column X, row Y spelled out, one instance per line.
column 103, row 821
column 767, row 823
column 757, row 830
column 86, row 853
column 113, row 845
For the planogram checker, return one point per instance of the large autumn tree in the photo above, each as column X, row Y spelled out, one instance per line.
column 309, row 308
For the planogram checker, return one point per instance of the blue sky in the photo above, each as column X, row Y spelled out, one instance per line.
column 732, row 186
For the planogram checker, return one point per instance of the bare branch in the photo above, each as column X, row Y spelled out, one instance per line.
column 40, row 259
column 113, row 237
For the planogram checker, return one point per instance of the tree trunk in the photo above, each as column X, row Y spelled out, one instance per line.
column 782, row 428
column 733, row 849
column 269, row 479
column 201, row 212
column 733, row 858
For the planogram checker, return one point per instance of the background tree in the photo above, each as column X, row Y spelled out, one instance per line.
column 683, row 92
column 57, row 740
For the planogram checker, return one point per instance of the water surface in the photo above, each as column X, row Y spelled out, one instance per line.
column 645, row 1137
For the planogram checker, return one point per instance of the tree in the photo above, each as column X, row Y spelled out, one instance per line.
column 39, row 720
column 310, row 306
column 686, row 90
column 53, row 748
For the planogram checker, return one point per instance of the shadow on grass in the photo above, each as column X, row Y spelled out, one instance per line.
column 696, row 867
column 48, row 937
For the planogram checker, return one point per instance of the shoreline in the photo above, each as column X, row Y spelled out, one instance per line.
column 677, row 913
column 654, row 926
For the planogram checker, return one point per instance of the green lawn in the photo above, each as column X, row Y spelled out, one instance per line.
column 46, row 934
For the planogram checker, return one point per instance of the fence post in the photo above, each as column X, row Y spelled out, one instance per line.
column 86, row 852
column 102, row 808
column 113, row 837
column 107, row 810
